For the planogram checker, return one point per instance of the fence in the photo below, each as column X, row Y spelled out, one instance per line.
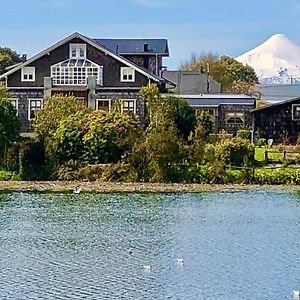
column 273, row 156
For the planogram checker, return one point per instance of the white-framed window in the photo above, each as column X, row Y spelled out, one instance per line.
column 33, row 105
column 77, row 50
column 14, row 102
column 103, row 104
column 129, row 105
column 127, row 74
column 76, row 72
column 235, row 118
column 296, row 112
column 28, row 74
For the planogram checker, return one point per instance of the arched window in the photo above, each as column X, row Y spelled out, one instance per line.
column 76, row 72
column 235, row 118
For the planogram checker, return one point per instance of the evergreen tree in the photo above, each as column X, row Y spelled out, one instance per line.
column 8, row 57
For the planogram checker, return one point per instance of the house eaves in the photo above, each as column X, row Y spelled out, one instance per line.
column 276, row 104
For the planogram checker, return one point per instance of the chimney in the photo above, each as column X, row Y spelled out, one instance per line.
column 24, row 57
column 117, row 49
column 146, row 48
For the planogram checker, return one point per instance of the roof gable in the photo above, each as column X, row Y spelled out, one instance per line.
column 92, row 43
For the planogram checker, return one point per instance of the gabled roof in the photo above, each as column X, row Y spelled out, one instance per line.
column 92, row 43
column 189, row 82
column 277, row 104
column 135, row 46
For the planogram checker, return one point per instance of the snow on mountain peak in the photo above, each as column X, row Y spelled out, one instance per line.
column 277, row 60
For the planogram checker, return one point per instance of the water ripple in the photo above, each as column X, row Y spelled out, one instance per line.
column 241, row 245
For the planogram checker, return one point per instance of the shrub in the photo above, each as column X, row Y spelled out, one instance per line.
column 56, row 109
column 8, row 175
column 243, row 134
column 73, row 170
column 235, row 152
column 32, row 160
column 96, row 137
column 183, row 115
column 206, row 123
column 278, row 176
column 116, row 172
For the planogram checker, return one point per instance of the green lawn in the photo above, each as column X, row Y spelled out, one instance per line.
column 272, row 154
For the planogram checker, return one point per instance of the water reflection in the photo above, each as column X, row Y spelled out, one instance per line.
column 96, row 246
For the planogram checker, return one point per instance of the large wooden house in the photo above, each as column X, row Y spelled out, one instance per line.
column 97, row 71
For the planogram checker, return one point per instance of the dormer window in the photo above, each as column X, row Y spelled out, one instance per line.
column 127, row 74
column 77, row 50
column 28, row 74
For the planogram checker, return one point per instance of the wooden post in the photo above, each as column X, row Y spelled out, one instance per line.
column 266, row 156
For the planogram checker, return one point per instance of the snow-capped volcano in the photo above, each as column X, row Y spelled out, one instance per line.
column 277, row 60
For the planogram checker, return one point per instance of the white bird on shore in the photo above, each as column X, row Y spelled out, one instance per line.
column 147, row 268
column 296, row 294
column 77, row 190
column 179, row 260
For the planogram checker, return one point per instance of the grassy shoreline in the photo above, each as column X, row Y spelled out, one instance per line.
column 116, row 187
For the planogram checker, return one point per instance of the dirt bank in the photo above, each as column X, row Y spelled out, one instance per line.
column 112, row 187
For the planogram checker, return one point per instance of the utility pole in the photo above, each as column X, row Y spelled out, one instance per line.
column 207, row 78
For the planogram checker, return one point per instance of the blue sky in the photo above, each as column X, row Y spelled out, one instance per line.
column 229, row 27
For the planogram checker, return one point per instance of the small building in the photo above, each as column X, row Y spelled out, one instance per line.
column 192, row 83
column 96, row 71
column 227, row 111
column 280, row 121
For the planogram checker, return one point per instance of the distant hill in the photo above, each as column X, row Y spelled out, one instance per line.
column 276, row 61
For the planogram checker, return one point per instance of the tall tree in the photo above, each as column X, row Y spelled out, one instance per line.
column 163, row 147
column 182, row 113
column 226, row 70
column 10, row 125
column 199, row 62
column 56, row 108
column 8, row 57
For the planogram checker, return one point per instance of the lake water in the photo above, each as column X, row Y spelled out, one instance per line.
column 234, row 245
